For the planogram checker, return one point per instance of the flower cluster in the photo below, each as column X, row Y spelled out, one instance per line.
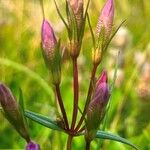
column 98, row 93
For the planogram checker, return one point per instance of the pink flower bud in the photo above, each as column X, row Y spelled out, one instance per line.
column 32, row 146
column 12, row 112
column 105, row 20
column 77, row 7
column 97, row 106
column 48, row 41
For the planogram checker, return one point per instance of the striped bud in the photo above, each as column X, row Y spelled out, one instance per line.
column 48, row 41
column 51, row 52
column 106, row 19
column 77, row 7
column 12, row 111
column 97, row 106
column 96, row 56
column 32, row 146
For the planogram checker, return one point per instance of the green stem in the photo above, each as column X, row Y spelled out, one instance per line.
column 76, row 92
column 42, row 8
column 88, row 145
column 61, row 105
column 69, row 141
column 90, row 90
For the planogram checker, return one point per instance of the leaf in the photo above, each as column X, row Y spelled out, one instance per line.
column 106, row 46
column 110, row 136
column 111, row 91
column 43, row 120
column 60, row 15
column 86, row 9
column 42, row 8
column 92, row 33
column 21, row 104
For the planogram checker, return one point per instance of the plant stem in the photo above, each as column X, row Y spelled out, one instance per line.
column 76, row 92
column 88, row 145
column 42, row 7
column 90, row 90
column 69, row 141
column 61, row 105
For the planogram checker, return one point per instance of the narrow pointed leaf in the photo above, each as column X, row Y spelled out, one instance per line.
column 110, row 136
column 111, row 91
column 60, row 15
column 105, row 48
column 86, row 10
column 42, row 8
column 43, row 120
column 93, row 37
column 21, row 104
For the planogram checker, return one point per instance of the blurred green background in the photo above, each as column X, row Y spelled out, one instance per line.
column 22, row 65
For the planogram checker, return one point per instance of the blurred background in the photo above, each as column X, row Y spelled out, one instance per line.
column 22, row 66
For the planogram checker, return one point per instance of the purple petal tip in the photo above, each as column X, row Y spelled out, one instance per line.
column 32, row 146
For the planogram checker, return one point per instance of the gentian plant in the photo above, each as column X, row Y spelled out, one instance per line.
column 99, row 91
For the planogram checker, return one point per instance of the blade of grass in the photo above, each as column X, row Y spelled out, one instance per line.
column 29, row 73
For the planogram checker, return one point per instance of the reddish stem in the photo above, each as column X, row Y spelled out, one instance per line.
column 90, row 90
column 61, row 105
column 69, row 141
column 88, row 145
column 76, row 92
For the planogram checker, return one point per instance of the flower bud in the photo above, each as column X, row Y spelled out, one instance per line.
column 48, row 41
column 74, row 49
column 106, row 19
column 12, row 111
column 32, row 146
column 77, row 8
column 51, row 53
column 97, row 106
column 96, row 56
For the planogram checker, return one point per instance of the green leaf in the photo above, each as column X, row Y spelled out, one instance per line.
column 113, row 34
column 111, row 91
column 92, row 33
column 60, row 15
column 42, row 8
column 21, row 104
column 43, row 120
column 110, row 136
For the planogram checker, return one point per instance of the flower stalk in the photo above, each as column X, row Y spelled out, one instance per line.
column 90, row 90
column 76, row 92
column 61, row 105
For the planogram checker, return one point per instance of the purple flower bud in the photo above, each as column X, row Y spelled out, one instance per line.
column 51, row 51
column 32, row 146
column 48, row 40
column 77, row 8
column 97, row 106
column 105, row 20
column 12, row 112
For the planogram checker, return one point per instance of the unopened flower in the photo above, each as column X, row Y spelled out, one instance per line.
column 48, row 41
column 105, row 21
column 77, row 8
column 32, row 146
column 95, row 112
column 96, row 56
column 51, row 52
column 12, row 111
